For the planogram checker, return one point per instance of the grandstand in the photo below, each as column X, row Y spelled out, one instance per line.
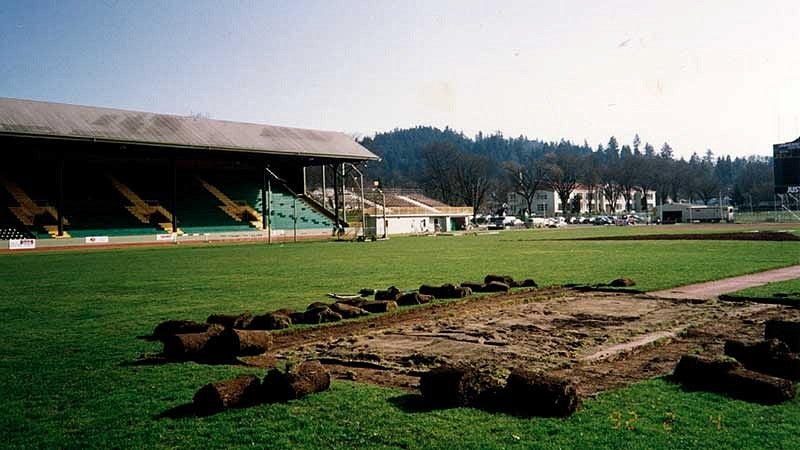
column 404, row 211
column 76, row 173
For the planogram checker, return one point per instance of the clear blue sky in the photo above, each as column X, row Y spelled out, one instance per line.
column 723, row 75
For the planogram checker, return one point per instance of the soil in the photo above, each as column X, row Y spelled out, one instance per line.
column 602, row 340
column 738, row 236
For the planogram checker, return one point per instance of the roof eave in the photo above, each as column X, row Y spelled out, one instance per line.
column 185, row 146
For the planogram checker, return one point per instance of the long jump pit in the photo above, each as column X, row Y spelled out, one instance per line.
column 601, row 340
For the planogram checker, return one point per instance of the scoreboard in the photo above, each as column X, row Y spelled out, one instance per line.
column 786, row 160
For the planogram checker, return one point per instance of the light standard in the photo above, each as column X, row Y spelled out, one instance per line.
column 377, row 183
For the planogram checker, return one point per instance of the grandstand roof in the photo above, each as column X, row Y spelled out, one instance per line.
column 57, row 120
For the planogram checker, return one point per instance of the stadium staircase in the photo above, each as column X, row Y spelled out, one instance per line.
column 243, row 194
column 239, row 211
column 145, row 212
column 30, row 213
column 325, row 212
column 199, row 210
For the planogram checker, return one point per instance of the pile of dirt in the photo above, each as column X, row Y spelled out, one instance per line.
column 760, row 371
column 217, row 344
column 522, row 392
column 171, row 327
column 785, row 331
column 276, row 320
column 771, row 357
column 739, row 236
column 541, row 394
column 231, row 320
column 727, row 376
column 451, row 386
column 294, row 383
column 447, row 290
column 622, row 282
column 498, row 283
column 239, row 392
column 189, row 346
column 246, row 390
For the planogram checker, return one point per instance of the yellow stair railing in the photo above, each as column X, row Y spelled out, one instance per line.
column 232, row 208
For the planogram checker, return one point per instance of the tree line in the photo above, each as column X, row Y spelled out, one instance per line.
column 481, row 171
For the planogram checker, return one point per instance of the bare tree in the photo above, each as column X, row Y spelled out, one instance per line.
column 627, row 177
column 439, row 158
column 611, row 194
column 526, row 178
column 590, row 177
column 562, row 175
column 473, row 179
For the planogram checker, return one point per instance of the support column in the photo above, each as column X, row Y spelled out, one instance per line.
column 60, row 205
column 336, row 195
column 174, row 202
column 294, row 215
column 264, row 197
column 269, row 210
column 344, row 196
column 324, row 190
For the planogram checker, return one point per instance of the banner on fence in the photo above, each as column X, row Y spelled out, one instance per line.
column 96, row 239
column 21, row 244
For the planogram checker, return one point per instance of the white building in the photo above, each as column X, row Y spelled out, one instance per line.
column 547, row 203
column 410, row 212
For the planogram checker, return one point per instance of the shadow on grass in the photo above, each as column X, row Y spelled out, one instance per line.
column 147, row 337
column 412, row 403
column 415, row 403
column 160, row 360
column 180, row 412
column 190, row 410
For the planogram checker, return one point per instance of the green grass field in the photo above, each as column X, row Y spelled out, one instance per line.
column 70, row 321
column 785, row 289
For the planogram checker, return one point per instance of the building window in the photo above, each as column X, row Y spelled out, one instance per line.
column 541, row 207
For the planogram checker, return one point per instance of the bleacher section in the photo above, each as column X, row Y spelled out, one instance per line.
column 136, row 201
column 245, row 189
column 30, row 204
column 95, row 208
column 200, row 212
column 10, row 226
column 426, row 200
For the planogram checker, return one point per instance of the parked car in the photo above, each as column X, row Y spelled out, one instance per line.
column 555, row 222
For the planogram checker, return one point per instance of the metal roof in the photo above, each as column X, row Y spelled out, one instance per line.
column 58, row 120
column 795, row 144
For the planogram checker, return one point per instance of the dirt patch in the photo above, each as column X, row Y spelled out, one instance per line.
column 738, row 236
column 601, row 340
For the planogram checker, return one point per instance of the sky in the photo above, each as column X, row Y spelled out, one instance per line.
column 719, row 75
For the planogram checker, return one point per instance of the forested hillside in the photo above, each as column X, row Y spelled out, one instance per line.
column 471, row 171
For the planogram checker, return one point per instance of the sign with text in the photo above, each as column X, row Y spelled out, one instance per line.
column 166, row 237
column 21, row 244
column 96, row 239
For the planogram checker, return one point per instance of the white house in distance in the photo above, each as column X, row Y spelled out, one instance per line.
column 547, row 203
column 410, row 212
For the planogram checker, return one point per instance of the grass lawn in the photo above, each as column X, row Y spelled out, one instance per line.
column 784, row 289
column 70, row 320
